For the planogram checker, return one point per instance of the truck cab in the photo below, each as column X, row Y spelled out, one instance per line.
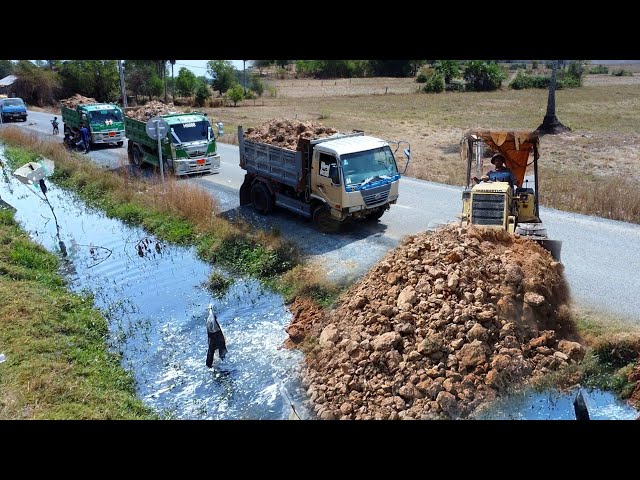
column 355, row 176
column 105, row 122
column 13, row 109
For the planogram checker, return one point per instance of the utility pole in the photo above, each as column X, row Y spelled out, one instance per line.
column 244, row 76
column 164, row 75
column 122, row 85
column 173, row 82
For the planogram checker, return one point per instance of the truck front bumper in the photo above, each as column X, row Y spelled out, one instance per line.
column 184, row 166
column 109, row 137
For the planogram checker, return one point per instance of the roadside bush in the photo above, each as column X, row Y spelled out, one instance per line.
column 483, row 76
column 236, row 93
column 257, row 85
column 523, row 80
column 599, row 69
column 534, row 64
column 518, row 66
column 622, row 73
column 455, row 86
column 421, row 78
column 434, row 83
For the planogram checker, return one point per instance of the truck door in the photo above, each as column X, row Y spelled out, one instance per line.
column 328, row 182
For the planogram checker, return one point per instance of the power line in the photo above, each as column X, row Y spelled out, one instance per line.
column 190, row 66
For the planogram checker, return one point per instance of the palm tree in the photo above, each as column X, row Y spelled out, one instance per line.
column 551, row 125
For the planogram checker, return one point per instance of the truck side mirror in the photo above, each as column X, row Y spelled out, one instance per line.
column 220, row 126
column 334, row 174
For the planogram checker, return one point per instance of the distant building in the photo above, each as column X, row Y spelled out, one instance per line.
column 5, row 84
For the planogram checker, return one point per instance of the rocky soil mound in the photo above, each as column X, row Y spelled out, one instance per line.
column 77, row 99
column 285, row 133
column 445, row 322
column 149, row 110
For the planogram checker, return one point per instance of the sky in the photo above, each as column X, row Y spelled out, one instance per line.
column 199, row 67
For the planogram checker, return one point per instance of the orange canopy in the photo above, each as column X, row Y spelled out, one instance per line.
column 515, row 146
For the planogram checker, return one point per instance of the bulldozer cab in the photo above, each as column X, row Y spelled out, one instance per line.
column 512, row 206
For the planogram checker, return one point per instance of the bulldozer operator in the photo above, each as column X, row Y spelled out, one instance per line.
column 499, row 174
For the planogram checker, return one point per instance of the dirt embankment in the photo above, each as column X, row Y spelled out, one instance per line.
column 285, row 133
column 149, row 110
column 445, row 322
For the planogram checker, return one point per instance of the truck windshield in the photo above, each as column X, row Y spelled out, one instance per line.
column 370, row 165
column 13, row 102
column 103, row 116
column 191, row 132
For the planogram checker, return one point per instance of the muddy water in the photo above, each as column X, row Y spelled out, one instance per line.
column 154, row 298
column 555, row 405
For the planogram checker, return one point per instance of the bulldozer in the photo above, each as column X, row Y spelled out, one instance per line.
column 514, row 205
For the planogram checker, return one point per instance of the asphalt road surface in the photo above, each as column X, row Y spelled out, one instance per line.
column 601, row 259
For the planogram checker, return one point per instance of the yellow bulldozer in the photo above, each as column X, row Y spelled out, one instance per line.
column 511, row 205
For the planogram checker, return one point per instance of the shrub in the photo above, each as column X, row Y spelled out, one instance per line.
column 518, row 66
column 455, row 86
column 434, row 83
column 534, row 64
column 236, row 93
column 482, row 76
column 421, row 78
column 599, row 69
column 622, row 73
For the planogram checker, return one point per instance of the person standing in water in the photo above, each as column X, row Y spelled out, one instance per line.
column 216, row 337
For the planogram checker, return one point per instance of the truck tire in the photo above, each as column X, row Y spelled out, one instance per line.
column 323, row 220
column 261, row 198
column 136, row 157
column 374, row 217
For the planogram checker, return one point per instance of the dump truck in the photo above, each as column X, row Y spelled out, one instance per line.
column 103, row 120
column 329, row 180
column 189, row 147
column 512, row 206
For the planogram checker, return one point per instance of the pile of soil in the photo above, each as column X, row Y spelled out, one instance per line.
column 149, row 110
column 77, row 99
column 285, row 133
column 445, row 322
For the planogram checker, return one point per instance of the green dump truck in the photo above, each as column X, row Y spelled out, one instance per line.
column 190, row 146
column 103, row 120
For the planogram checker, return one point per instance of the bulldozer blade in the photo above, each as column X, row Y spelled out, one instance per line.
column 554, row 247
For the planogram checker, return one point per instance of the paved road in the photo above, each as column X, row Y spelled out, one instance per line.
column 600, row 256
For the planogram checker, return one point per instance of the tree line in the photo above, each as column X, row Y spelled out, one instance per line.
column 45, row 82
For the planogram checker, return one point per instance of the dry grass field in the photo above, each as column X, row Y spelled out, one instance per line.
column 600, row 154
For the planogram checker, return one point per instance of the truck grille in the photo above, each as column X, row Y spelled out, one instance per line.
column 376, row 196
column 196, row 153
column 487, row 209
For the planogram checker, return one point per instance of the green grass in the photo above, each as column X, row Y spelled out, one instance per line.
column 58, row 365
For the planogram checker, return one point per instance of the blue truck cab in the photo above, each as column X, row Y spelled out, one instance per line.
column 13, row 109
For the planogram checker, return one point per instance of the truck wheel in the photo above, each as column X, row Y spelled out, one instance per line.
column 261, row 198
column 136, row 159
column 324, row 221
column 374, row 217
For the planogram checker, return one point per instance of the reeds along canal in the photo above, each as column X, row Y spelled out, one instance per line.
column 155, row 300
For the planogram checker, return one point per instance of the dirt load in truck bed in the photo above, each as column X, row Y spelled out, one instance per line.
column 149, row 110
column 285, row 133
column 77, row 99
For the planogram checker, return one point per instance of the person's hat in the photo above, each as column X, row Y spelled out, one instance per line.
column 497, row 156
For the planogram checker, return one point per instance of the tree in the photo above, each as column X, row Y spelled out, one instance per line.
column 98, row 79
column 449, row 69
column 186, row 82
column 223, row 74
column 35, row 85
column 6, row 68
column 551, row 125
column 139, row 74
column 236, row 94
column 202, row 92
column 482, row 76
column 391, row 68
